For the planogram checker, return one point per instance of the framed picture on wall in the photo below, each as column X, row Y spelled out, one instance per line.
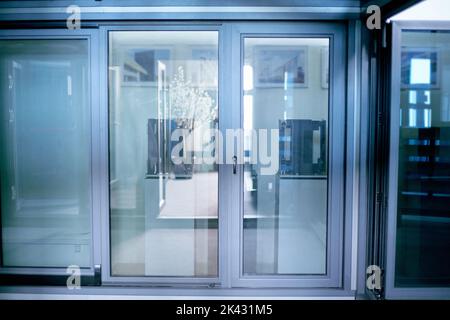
column 420, row 68
column 141, row 65
column 275, row 66
column 325, row 67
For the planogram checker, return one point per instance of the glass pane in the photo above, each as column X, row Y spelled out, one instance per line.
column 45, row 153
column 423, row 215
column 163, row 112
column 285, row 83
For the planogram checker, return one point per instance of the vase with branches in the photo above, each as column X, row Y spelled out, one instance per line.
column 190, row 106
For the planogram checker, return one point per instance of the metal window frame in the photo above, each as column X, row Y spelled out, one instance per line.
column 376, row 74
column 335, row 32
column 229, row 52
column 367, row 122
column 58, row 275
column 355, row 150
column 183, row 10
column 393, row 292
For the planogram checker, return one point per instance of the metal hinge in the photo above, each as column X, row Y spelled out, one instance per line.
column 13, row 193
column 11, row 116
column 380, row 119
column 10, row 82
column 379, row 197
column 384, row 37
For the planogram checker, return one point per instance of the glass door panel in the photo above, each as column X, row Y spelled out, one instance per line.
column 285, row 183
column 422, row 243
column 163, row 109
column 45, row 153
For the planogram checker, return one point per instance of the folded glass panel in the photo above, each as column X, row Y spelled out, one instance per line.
column 423, row 200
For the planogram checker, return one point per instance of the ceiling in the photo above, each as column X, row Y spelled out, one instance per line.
column 197, row 9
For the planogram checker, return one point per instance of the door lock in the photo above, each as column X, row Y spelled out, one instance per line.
column 234, row 164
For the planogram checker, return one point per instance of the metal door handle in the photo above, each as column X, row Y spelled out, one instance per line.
column 234, row 164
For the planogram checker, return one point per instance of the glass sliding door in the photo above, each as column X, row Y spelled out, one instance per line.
column 286, row 90
column 276, row 153
column 291, row 176
column 45, row 154
column 163, row 115
column 419, row 214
